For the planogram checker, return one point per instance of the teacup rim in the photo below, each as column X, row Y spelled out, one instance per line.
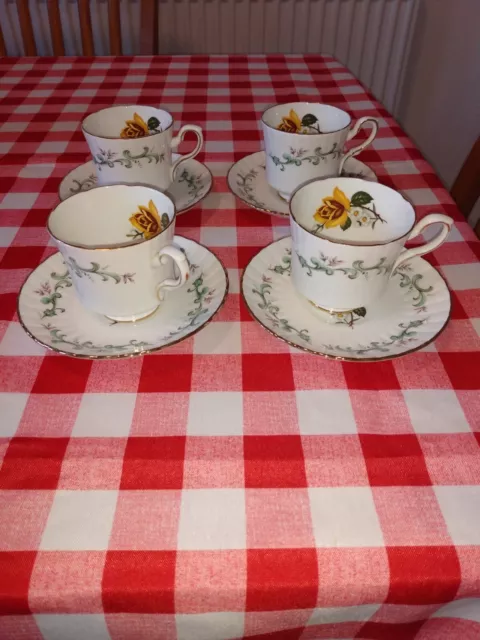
column 349, row 243
column 118, row 245
column 131, row 106
column 310, row 135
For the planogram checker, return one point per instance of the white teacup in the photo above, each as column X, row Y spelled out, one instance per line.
column 305, row 140
column 117, row 245
column 133, row 145
column 348, row 237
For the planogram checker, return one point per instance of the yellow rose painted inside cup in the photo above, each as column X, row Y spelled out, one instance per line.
column 138, row 128
column 147, row 222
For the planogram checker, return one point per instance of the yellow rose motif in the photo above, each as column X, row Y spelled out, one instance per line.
column 291, row 123
column 334, row 211
column 147, row 221
column 136, row 128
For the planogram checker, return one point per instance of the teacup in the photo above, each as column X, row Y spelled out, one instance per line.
column 133, row 145
column 305, row 140
column 348, row 237
column 117, row 246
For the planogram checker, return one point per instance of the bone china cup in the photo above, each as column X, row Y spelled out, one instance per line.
column 133, row 145
column 117, row 245
column 305, row 140
column 348, row 237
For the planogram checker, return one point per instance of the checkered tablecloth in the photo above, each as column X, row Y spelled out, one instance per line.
column 228, row 487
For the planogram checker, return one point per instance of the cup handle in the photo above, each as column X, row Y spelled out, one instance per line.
column 353, row 132
column 180, row 259
column 176, row 141
column 433, row 218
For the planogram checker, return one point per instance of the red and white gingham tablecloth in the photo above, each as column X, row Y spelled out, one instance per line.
column 228, row 487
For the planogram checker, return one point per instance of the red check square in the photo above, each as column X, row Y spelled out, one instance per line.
column 32, row 463
column 161, row 373
column 274, row 462
column 281, row 579
column 399, row 631
column 370, row 375
column 18, row 374
column 15, row 572
column 62, row 375
column 139, row 582
column 267, row 372
column 423, row 575
column 22, row 257
column 394, row 460
column 153, row 463
column 463, row 369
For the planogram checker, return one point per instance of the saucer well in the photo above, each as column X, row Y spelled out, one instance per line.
column 52, row 315
column 413, row 312
column 247, row 180
column 192, row 184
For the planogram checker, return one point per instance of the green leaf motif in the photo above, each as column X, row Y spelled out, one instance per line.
column 165, row 220
column 309, row 119
column 361, row 311
column 346, row 225
column 360, row 199
column 153, row 123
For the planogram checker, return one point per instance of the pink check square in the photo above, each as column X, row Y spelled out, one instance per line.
column 57, row 575
column 146, row 520
column 278, row 518
column 210, row 581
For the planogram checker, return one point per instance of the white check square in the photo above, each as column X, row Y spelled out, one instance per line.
column 435, row 411
column 461, row 509
column 345, row 516
column 210, row 626
column 219, row 337
column 215, row 413
column 107, row 415
column 12, row 406
column 80, row 626
column 212, row 519
column 326, row 411
column 79, row 521
column 16, row 342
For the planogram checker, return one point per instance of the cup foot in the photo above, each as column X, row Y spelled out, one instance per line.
column 135, row 318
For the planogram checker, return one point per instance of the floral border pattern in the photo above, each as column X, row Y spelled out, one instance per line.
column 107, row 158
column 297, row 157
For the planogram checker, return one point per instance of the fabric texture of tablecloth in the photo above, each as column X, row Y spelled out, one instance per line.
column 229, row 487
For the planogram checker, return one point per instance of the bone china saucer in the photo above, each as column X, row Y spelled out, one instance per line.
column 51, row 314
column 247, row 180
column 413, row 312
column 192, row 183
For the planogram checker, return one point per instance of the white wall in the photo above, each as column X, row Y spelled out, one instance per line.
column 440, row 101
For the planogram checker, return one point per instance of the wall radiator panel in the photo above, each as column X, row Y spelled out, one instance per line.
column 371, row 37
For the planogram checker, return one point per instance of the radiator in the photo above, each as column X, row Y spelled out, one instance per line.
column 371, row 37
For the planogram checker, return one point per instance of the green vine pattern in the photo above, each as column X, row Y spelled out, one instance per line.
column 286, row 266
column 83, row 185
column 297, row 157
column 271, row 310
column 203, row 297
column 195, row 184
column 108, row 158
column 413, row 285
column 57, row 337
column 97, row 270
column 246, row 188
column 405, row 336
column 330, row 266
column 50, row 293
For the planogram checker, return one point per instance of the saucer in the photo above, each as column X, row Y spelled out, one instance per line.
column 51, row 314
column 193, row 182
column 247, row 180
column 413, row 312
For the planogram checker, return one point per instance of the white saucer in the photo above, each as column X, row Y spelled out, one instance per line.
column 192, row 184
column 51, row 314
column 247, row 180
column 413, row 312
